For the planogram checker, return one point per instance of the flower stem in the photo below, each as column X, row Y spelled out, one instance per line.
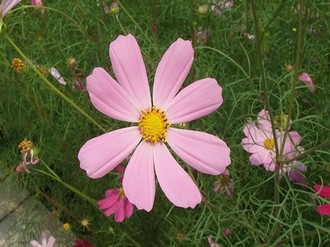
column 298, row 59
column 51, row 86
column 54, row 176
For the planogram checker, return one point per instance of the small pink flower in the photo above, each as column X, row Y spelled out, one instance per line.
column 36, row 2
column 83, row 243
column 6, row 6
column 323, row 209
column 323, row 191
column 305, row 78
column 29, row 157
column 116, row 203
column 224, row 183
column 260, row 142
column 44, row 242
column 212, row 243
column 54, row 72
column 130, row 100
column 295, row 171
column 227, row 232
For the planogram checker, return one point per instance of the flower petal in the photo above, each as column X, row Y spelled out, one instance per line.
column 128, row 65
column 195, row 101
column 202, row 151
column 101, row 154
column 322, row 190
column 110, row 98
column 178, row 187
column 139, row 177
column 7, row 5
column 323, row 209
column 120, row 213
column 172, row 71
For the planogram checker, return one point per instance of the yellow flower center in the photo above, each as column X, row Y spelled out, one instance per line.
column 269, row 143
column 153, row 125
column 121, row 193
column 25, row 146
column 18, row 65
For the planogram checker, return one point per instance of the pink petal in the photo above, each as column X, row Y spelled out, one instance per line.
column 128, row 65
column 128, row 207
column 202, row 151
column 139, row 177
column 34, row 243
column 110, row 98
column 264, row 120
column 101, row 154
column 51, row 241
column 108, row 202
column 172, row 71
column 323, row 209
column 255, row 159
column 195, row 101
column 322, row 190
column 113, row 209
column 178, row 187
column 120, row 213
column 305, row 78
column 6, row 6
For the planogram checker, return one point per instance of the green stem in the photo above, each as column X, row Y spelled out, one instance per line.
column 271, row 116
column 54, row 176
column 52, row 87
column 299, row 48
column 120, row 25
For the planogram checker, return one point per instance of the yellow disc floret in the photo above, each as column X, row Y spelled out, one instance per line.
column 269, row 143
column 153, row 125
column 25, row 146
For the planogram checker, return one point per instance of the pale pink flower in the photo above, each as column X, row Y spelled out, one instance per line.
column 29, row 157
column 295, row 171
column 260, row 142
column 224, row 183
column 6, row 6
column 36, row 2
column 323, row 191
column 44, row 242
column 22, row 166
column 305, row 78
column 212, row 243
column 116, row 204
column 129, row 100
column 54, row 72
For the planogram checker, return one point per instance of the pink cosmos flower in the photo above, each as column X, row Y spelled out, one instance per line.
column 323, row 191
column 129, row 100
column 116, row 203
column 36, row 2
column 6, row 6
column 212, row 243
column 44, row 242
column 259, row 141
column 224, row 183
column 305, row 78
column 83, row 243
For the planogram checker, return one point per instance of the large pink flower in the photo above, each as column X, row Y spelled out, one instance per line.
column 6, row 6
column 129, row 100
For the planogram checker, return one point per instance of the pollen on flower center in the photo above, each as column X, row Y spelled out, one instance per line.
column 269, row 143
column 153, row 125
column 121, row 193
